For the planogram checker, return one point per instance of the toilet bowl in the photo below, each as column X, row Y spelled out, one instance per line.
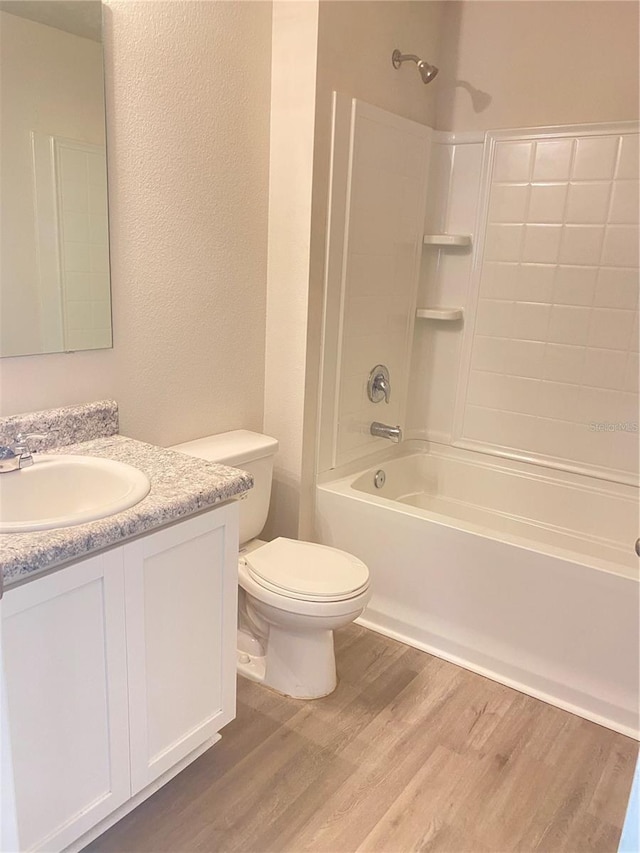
column 292, row 594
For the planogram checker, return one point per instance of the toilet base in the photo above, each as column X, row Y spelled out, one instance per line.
column 250, row 667
column 287, row 644
column 309, row 654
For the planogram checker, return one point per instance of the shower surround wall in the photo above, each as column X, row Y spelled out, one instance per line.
column 548, row 354
column 379, row 178
column 470, row 551
column 454, row 184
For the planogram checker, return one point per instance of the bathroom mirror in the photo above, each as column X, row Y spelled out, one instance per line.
column 54, row 262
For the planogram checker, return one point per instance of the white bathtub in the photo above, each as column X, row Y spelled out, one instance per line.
column 525, row 575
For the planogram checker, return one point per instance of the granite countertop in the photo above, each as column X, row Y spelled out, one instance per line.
column 180, row 486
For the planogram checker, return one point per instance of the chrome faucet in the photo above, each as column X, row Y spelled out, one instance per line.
column 15, row 456
column 18, row 454
column 393, row 433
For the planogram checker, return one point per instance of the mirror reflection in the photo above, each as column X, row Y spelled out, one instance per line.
column 54, row 262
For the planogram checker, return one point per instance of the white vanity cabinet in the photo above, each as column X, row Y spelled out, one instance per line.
column 66, row 680
column 181, row 610
column 117, row 668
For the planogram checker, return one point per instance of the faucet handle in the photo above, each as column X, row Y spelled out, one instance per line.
column 22, row 446
column 23, row 451
column 379, row 384
column 28, row 436
column 24, row 438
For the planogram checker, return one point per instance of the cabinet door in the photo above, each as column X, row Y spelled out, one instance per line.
column 181, row 602
column 8, row 828
column 64, row 655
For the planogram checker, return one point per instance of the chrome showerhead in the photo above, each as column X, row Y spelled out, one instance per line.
column 427, row 72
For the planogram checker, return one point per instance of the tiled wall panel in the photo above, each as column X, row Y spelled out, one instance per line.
column 553, row 364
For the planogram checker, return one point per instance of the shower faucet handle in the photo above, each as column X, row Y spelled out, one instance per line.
column 379, row 384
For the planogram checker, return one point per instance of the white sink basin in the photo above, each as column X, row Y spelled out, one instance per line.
column 60, row 491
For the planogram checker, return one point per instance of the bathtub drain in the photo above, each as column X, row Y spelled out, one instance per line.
column 379, row 478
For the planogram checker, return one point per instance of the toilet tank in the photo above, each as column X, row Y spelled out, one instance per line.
column 251, row 452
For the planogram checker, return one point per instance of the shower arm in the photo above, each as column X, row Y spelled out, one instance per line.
column 427, row 71
column 398, row 58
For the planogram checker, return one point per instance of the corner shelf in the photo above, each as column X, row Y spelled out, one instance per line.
column 453, row 240
column 448, row 314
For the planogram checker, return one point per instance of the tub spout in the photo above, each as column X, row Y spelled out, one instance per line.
column 394, row 433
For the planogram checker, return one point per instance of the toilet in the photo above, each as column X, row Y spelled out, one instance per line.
column 292, row 595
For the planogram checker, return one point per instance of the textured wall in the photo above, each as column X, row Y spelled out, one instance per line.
column 542, row 63
column 188, row 134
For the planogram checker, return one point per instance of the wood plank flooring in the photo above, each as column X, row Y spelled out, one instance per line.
column 409, row 754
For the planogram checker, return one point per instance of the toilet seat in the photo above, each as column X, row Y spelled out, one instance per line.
column 306, row 571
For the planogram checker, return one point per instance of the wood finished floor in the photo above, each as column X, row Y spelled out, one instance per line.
column 409, row 754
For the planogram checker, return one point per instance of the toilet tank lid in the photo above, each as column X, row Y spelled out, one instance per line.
column 230, row 448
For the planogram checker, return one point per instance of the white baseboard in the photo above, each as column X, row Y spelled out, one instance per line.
column 550, row 692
